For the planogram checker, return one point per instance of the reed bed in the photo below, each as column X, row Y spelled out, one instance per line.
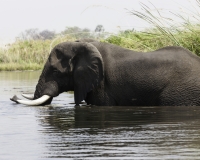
column 32, row 54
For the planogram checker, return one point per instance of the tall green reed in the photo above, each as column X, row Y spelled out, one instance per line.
column 173, row 29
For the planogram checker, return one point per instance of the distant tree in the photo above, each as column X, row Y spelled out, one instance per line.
column 30, row 34
column 77, row 32
column 35, row 34
column 99, row 30
column 46, row 34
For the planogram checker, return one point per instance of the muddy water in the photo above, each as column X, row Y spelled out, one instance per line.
column 61, row 130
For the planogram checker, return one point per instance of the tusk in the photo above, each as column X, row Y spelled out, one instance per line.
column 28, row 96
column 36, row 102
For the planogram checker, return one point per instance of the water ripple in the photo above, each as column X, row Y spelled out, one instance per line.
column 61, row 130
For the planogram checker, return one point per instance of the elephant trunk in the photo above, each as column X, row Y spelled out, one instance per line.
column 37, row 99
column 46, row 89
column 40, row 97
column 43, row 88
column 39, row 92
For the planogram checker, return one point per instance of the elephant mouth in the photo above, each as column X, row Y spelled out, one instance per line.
column 40, row 101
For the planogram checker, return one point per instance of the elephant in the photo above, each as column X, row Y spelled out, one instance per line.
column 104, row 74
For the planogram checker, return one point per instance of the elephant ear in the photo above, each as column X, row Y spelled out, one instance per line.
column 87, row 69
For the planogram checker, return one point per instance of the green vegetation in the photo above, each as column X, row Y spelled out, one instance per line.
column 164, row 32
column 32, row 48
column 30, row 52
column 154, row 39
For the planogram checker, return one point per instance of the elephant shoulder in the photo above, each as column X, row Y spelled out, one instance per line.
column 88, row 40
column 174, row 50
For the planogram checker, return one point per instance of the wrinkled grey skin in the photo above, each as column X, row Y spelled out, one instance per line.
column 104, row 74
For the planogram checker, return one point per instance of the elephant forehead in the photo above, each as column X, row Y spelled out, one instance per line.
column 56, row 63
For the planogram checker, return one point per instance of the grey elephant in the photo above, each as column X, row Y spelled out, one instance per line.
column 104, row 74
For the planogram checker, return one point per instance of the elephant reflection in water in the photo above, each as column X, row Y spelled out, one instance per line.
column 104, row 74
column 109, row 117
column 73, row 132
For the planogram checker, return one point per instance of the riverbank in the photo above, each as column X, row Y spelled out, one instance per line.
column 31, row 55
column 28, row 54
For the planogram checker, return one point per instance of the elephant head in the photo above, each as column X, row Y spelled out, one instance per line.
column 71, row 66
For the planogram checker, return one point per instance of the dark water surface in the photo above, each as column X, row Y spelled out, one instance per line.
column 64, row 131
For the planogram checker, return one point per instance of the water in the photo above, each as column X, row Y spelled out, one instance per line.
column 61, row 130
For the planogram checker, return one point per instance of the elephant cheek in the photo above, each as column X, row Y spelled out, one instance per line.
column 51, row 89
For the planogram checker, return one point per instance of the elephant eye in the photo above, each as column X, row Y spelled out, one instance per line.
column 56, row 72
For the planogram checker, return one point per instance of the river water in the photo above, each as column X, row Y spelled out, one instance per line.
column 61, row 130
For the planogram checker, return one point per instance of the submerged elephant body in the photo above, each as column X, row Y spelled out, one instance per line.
column 105, row 74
